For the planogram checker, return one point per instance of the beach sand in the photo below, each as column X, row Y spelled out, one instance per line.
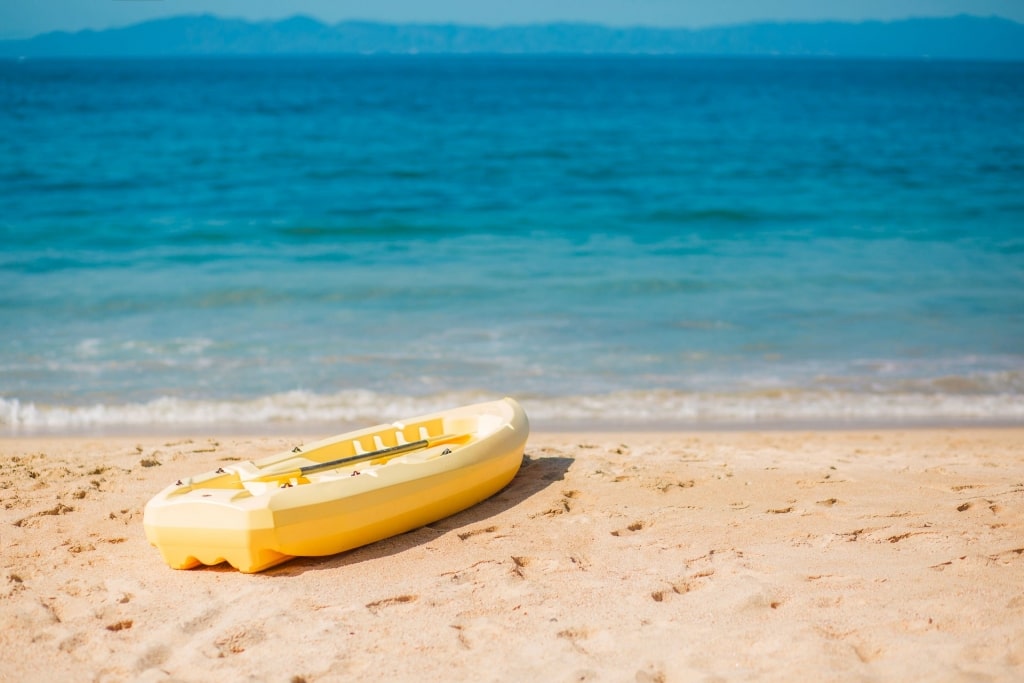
column 769, row 556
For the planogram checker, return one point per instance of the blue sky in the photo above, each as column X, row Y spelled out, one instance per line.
column 25, row 18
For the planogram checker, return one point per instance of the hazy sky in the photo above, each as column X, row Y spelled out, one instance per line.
column 24, row 18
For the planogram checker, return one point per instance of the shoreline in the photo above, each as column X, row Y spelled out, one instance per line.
column 537, row 427
column 651, row 556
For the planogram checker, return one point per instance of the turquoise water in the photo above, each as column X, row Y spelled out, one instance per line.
column 672, row 242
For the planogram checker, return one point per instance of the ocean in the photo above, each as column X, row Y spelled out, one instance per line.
column 311, row 244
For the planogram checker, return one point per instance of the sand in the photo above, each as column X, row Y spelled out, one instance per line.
column 774, row 556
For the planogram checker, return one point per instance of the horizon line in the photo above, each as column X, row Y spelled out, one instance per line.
column 494, row 27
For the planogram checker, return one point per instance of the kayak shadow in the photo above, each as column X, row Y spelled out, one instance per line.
column 535, row 475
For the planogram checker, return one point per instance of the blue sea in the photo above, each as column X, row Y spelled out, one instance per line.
column 631, row 242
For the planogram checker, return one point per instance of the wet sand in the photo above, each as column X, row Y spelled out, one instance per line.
column 771, row 556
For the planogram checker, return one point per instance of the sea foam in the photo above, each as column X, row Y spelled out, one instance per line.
column 296, row 410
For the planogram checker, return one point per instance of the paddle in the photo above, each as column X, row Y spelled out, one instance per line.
column 388, row 452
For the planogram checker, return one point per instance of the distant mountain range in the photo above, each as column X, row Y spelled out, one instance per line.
column 960, row 37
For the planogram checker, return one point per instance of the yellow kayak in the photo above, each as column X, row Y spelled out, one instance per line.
column 339, row 493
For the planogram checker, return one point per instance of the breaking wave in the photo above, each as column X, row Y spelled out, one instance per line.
column 657, row 409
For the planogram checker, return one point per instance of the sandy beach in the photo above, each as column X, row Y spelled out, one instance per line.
column 770, row 556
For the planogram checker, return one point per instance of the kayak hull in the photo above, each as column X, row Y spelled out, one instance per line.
column 235, row 516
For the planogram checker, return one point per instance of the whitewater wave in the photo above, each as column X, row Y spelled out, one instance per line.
column 634, row 409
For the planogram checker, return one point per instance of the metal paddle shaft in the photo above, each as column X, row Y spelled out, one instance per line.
column 363, row 457
column 384, row 452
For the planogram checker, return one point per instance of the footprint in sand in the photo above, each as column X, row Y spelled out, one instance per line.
column 235, row 641
column 867, row 652
column 75, row 548
column 684, row 586
column 653, row 675
column 34, row 519
column 666, row 485
column 580, row 561
column 631, row 529
column 126, row 515
column 471, row 574
column 377, row 605
column 1007, row 556
column 520, row 563
column 574, row 636
column 151, row 657
column 560, row 508
column 474, row 532
column 200, row 622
